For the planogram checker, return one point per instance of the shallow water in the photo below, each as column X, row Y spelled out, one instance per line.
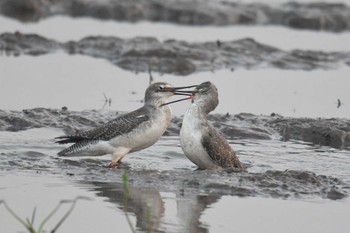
column 75, row 29
column 181, row 199
column 290, row 93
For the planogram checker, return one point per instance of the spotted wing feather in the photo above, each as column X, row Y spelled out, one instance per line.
column 78, row 147
column 120, row 125
column 219, row 150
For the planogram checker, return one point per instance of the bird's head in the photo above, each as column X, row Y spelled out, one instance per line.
column 159, row 93
column 206, row 96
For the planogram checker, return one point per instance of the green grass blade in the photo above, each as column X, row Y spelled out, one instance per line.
column 126, row 185
column 48, row 217
column 149, row 218
column 126, row 200
column 33, row 216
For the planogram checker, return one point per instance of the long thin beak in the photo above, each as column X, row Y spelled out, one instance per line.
column 176, row 91
column 189, row 93
column 179, row 88
column 175, row 101
column 185, row 92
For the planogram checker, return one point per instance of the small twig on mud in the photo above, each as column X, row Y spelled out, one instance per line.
column 150, row 75
column 106, row 101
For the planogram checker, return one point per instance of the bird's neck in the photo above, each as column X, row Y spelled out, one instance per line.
column 157, row 103
column 200, row 108
column 157, row 107
column 196, row 113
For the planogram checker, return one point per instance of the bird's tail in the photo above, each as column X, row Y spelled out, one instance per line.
column 69, row 139
column 80, row 148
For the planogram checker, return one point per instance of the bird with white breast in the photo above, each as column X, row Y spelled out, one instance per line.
column 204, row 145
column 127, row 133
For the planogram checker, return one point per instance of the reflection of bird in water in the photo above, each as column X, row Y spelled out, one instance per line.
column 152, row 209
column 339, row 103
column 190, row 209
column 128, row 133
column 145, row 204
column 201, row 142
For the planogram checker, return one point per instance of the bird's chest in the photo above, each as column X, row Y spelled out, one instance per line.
column 190, row 135
column 150, row 131
column 191, row 142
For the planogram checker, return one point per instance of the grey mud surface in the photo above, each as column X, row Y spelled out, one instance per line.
column 326, row 132
column 314, row 16
column 179, row 57
column 168, row 170
column 141, row 54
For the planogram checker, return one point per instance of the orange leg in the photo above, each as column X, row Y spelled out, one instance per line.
column 118, row 155
column 113, row 164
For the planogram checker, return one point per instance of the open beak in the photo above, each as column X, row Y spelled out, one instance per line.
column 179, row 91
column 176, row 91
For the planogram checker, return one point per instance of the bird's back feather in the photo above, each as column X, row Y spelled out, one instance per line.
column 69, row 139
column 120, row 125
column 86, row 140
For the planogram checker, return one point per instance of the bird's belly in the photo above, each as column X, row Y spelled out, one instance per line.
column 142, row 137
column 94, row 148
column 190, row 139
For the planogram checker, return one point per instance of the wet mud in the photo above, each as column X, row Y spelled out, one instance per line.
column 184, row 181
column 276, row 169
column 142, row 54
column 198, row 196
column 333, row 132
column 314, row 16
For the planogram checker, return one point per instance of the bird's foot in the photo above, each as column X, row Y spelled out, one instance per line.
column 113, row 164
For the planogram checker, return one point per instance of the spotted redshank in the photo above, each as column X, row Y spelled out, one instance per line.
column 127, row 133
column 204, row 145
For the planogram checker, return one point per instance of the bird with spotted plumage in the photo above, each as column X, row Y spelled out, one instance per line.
column 127, row 133
column 204, row 145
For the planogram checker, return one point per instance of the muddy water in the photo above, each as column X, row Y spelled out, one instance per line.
column 299, row 177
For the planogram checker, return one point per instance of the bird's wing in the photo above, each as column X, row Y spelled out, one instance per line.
column 120, row 125
column 218, row 149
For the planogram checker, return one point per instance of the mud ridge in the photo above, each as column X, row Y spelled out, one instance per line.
column 286, row 184
column 314, row 16
column 178, row 57
column 332, row 132
column 272, row 183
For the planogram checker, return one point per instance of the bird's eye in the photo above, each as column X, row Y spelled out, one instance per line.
column 160, row 88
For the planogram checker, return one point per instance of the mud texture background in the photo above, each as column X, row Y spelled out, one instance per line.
column 314, row 16
column 178, row 57
column 326, row 132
